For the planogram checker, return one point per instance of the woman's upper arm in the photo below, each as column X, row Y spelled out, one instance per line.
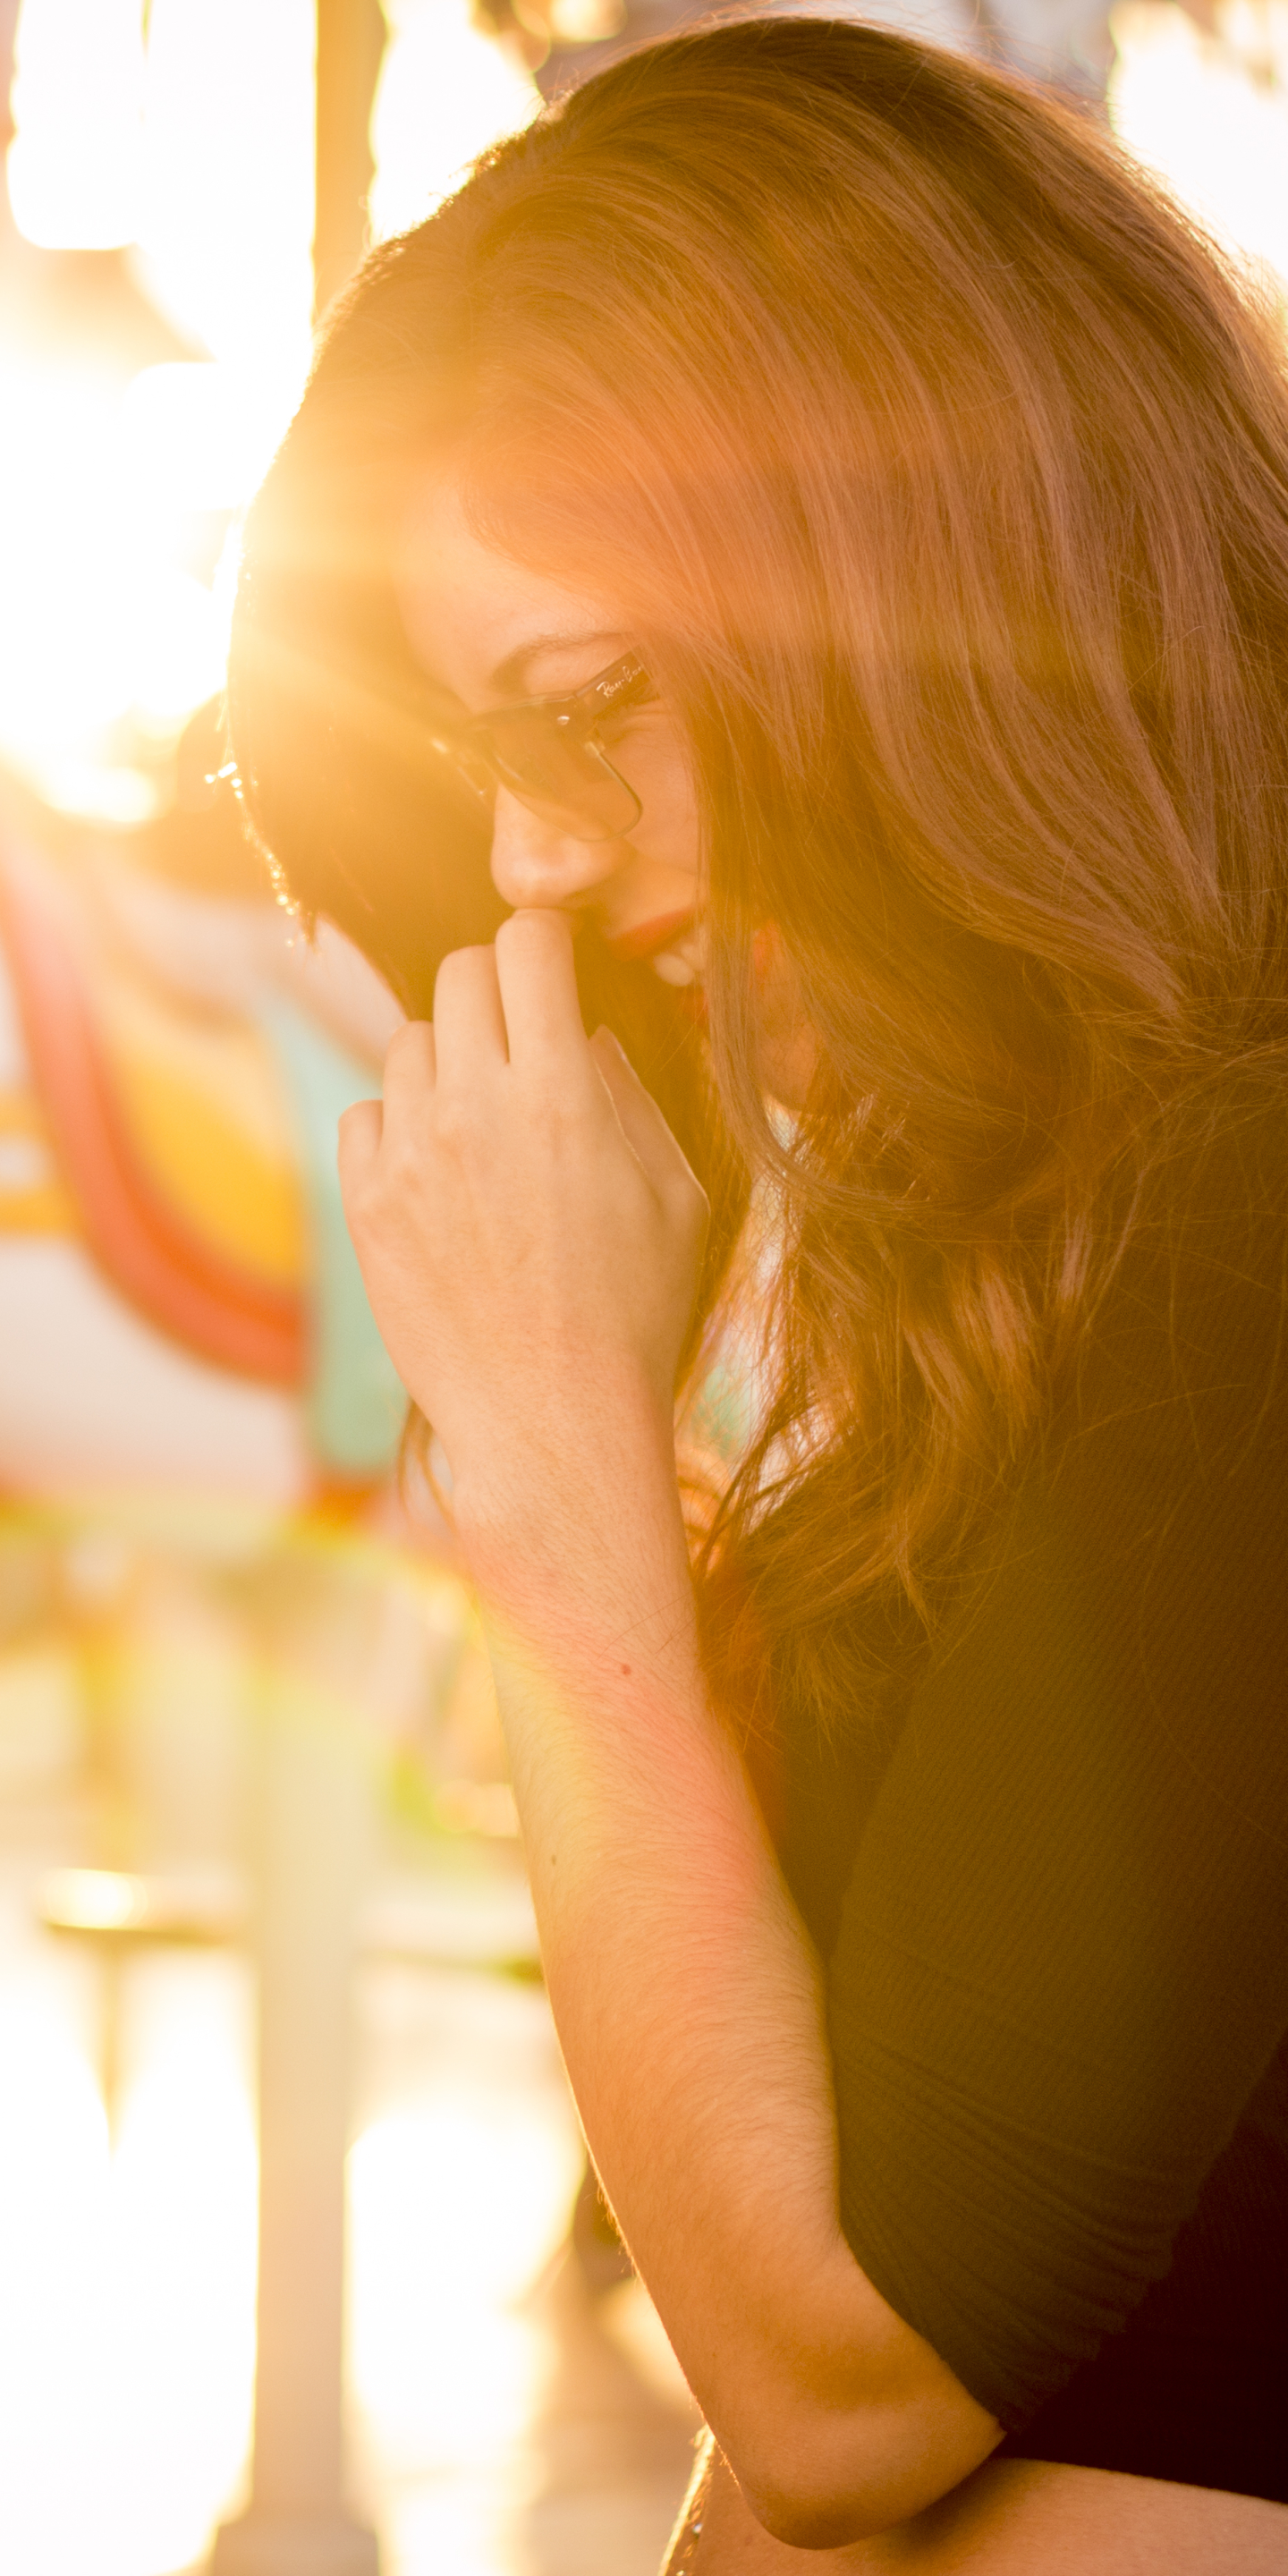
column 1062, row 1964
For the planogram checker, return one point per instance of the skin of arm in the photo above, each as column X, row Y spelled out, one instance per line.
column 530, row 1235
column 1016, row 2517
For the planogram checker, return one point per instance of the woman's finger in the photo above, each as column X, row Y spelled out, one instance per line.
column 642, row 1122
column 538, row 986
column 361, row 1127
column 469, row 1023
column 411, row 1064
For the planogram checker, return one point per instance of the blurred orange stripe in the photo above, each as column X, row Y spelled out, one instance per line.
column 182, row 1285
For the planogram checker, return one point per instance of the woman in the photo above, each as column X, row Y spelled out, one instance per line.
column 812, row 525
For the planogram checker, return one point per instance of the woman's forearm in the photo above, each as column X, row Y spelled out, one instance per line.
column 687, row 1995
column 684, row 1990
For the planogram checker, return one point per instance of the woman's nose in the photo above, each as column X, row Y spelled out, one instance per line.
column 533, row 862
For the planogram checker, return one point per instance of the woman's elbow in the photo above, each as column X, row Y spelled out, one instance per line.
column 818, row 2481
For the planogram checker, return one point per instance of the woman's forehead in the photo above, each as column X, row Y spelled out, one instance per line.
column 481, row 621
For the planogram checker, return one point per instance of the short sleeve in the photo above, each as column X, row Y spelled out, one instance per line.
column 1062, row 1960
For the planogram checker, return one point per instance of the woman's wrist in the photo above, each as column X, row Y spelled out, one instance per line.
column 568, row 1473
column 574, row 1552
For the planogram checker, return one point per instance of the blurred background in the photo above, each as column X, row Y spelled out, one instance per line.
column 270, row 2007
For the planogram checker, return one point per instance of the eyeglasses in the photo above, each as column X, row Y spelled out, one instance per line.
column 547, row 752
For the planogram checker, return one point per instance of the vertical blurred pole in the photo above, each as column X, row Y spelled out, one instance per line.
column 308, row 1925
column 351, row 42
column 314, row 1821
column 313, row 1803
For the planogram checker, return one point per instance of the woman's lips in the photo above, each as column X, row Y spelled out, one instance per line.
column 649, row 938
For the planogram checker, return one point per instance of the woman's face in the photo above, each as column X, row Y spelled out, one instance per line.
column 490, row 633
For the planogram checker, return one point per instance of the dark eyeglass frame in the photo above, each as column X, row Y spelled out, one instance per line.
column 545, row 752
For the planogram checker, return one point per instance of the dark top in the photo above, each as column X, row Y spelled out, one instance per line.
column 1052, row 1888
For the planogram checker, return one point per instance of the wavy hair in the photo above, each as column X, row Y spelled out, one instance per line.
column 941, row 473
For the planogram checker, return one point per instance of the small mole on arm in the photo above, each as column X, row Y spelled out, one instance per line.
column 626, row 1668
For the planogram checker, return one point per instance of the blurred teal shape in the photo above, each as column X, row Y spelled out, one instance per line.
column 354, row 1402
column 723, row 1414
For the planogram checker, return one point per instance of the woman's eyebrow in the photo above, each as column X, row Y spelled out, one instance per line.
column 509, row 675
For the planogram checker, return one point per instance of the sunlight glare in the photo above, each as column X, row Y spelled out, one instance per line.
column 101, row 620
column 200, row 152
column 1210, row 114
column 184, row 2235
column 446, row 92
column 94, row 1900
column 226, row 227
column 127, row 2326
column 456, row 2202
column 76, row 160
column 198, row 147
column 199, row 437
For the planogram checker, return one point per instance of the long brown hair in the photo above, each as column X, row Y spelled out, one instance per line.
column 942, row 476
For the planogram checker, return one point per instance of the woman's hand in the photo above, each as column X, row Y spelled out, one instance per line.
column 528, row 1229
